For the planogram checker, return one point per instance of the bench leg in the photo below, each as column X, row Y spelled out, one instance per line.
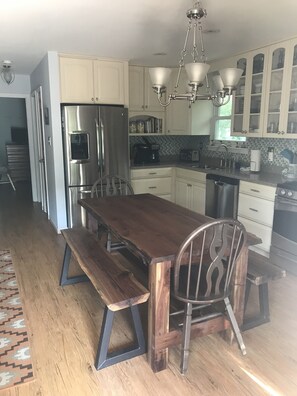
column 264, row 316
column 105, row 359
column 64, row 279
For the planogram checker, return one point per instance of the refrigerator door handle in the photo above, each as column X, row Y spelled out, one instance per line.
column 99, row 143
column 102, row 148
column 81, row 192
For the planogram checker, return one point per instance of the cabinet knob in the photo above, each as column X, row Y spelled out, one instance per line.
column 146, row 106
column 93, row 100
column 96, row 99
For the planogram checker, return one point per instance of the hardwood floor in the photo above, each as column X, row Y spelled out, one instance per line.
column 64, row 325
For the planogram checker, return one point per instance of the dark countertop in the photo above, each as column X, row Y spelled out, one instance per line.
column 269, row 179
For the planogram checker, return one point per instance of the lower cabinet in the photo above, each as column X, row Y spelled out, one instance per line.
column 156, row 181
column 255, row 211
column 190, row 189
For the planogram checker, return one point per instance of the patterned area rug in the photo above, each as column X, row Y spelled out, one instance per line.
column 15, row 360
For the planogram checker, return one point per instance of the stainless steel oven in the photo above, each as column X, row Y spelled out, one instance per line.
column 283, row 251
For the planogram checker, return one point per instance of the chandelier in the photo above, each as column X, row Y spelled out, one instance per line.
column 7, row 74
column 223, row 84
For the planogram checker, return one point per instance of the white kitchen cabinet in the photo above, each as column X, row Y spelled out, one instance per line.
column 183, row 118
column 190, row 189
column 281, row 103
column 141, row 94
column 249, row 97
column 178, row 113
column 255, row 211
column 156, row 181
column 146, row 115
column 84, row 80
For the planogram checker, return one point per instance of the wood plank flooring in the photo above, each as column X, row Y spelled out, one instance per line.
column 64, row 326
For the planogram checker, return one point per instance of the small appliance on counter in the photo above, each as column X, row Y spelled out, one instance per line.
column 189, row 155
column 145, row 153
column 255, row 160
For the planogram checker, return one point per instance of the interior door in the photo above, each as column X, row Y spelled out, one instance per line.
column 38, row 120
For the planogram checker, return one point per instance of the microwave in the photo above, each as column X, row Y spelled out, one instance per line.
column 189, row 155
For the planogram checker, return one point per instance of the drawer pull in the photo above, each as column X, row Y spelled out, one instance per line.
column 254, row 190
column 254, row 210
column 189, row 185
column 152, row 173
column 152, row 187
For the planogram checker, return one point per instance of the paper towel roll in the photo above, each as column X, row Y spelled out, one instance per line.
column 255, row 160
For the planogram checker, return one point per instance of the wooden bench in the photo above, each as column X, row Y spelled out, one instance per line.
column 116, row 286
column 260, row 272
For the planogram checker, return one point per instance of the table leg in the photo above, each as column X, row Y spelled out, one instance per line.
column 158, row 313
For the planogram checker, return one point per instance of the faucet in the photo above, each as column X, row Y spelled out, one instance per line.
column 224, row 162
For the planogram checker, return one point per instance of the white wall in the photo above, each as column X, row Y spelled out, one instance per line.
column 46, row 75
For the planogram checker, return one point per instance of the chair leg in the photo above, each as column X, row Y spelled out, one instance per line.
column 235, row 326
column 11, row 182
column 186, row 338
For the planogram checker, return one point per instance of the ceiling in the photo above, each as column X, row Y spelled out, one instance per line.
column 137, row 29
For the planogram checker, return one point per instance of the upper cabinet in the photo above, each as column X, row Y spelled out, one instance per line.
column 178, row 114
column 265, row 102
column 84, row 80
column 141, row 94
column 249, row 97
column 281, row 104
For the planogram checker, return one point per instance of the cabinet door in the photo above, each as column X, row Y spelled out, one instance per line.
column 109, row 82
column 136, row 88
column 151, row 102
column 183, row 193
column 76, row 80
column 198, row 198
column 257, row 83
column 240, row 109
column 290, row 107
column 178, row 112
column 248, row 109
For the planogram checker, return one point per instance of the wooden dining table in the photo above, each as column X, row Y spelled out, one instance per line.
column 154, row 228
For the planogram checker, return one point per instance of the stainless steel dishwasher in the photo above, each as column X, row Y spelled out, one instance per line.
column 221, row 199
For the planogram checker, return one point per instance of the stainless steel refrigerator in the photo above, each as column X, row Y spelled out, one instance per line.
column 95, row 142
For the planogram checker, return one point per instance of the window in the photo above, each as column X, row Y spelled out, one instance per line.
column 222, row 123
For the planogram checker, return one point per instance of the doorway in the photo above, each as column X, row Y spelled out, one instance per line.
column 14, row 147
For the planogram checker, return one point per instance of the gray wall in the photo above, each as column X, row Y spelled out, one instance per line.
column 12, row 114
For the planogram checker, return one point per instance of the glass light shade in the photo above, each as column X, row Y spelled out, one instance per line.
column 218, row 83
column 159, row 75
column 196, row 71
column 230, row 77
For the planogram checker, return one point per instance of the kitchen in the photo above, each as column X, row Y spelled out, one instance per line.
column 170, row 146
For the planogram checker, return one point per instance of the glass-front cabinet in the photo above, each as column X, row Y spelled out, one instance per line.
column 248, row 107
column 239, row 127
column 281, row 103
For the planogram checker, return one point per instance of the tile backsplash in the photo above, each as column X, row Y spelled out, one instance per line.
column 171, row 145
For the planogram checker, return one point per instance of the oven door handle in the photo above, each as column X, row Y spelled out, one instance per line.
column 289, row 204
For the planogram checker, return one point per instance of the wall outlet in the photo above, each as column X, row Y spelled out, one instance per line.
column 270, row 154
